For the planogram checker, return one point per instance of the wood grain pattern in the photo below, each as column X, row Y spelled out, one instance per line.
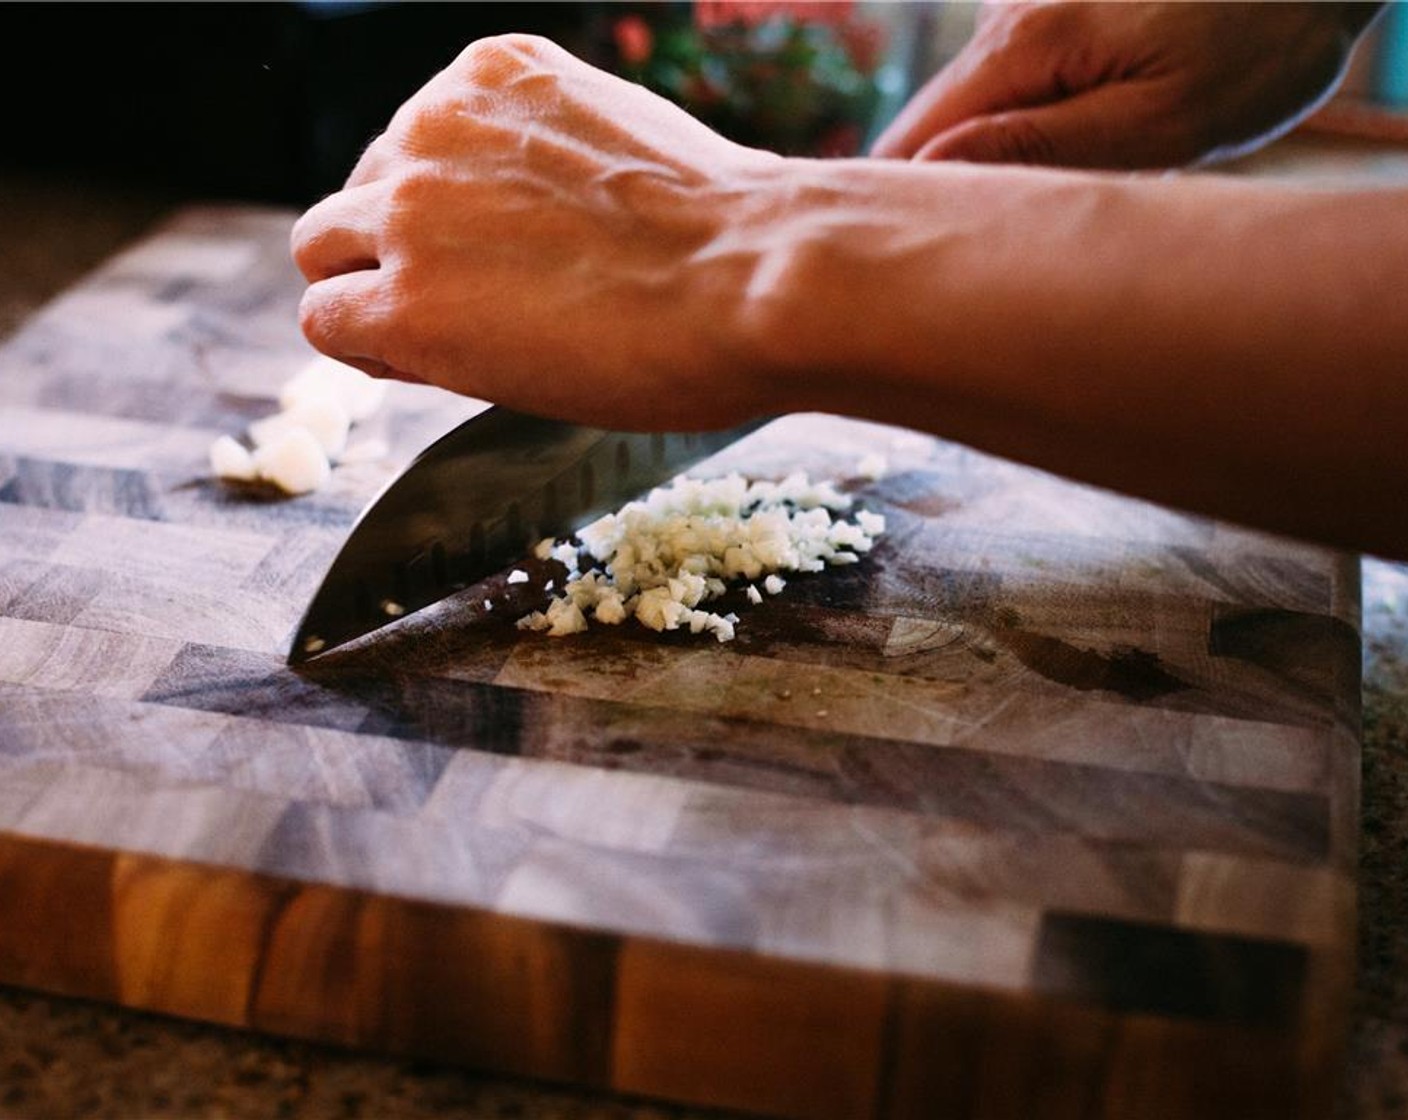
column 1047, row 808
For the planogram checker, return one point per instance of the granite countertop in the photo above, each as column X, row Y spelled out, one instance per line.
column 65, row 1058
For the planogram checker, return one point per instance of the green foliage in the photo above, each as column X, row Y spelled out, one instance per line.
column 785, row 83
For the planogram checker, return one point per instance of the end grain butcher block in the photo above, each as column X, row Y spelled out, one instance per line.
column 1046, row 808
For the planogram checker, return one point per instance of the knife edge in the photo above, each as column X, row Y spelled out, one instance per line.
column 476, row 500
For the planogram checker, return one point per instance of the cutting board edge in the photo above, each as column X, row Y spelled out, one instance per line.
column 644, row 1016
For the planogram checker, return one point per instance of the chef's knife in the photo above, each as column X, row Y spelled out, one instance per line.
column 474, row 502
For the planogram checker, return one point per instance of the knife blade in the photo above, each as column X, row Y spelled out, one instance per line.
column 475, row 501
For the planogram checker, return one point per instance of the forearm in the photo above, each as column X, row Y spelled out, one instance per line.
column 577, row 247
column 1221, row 346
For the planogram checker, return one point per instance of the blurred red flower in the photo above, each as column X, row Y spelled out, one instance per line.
column 634, row 39
column 841, row 141
column 794, row 76
column 718, row 13
column 865, row 42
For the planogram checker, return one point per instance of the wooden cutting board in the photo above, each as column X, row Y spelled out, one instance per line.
column 1047, row 808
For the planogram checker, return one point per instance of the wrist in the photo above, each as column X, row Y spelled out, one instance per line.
column 806, row 239
column 875, row 286
column 888, row 289
column 759, row 283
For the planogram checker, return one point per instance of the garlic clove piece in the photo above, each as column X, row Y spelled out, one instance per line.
column 295, row 462
column 323, row 417
column 359, row 394
column 231, row 460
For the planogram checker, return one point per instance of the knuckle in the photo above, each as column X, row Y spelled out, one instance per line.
column 310, row 241
column 433, row 125
column 1016, row 138
column 499, row 59
column 1006, row 138
column 301, row 239
column 314, row 321
column 1054, row 22
column 414, row 192
column 1024, row 24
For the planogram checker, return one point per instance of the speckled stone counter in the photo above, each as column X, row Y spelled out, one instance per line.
column 1376, row 1083
column 61, row 1058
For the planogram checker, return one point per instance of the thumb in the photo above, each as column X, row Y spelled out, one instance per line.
column 999, row 138
column 1109, row 127
column 972, row 84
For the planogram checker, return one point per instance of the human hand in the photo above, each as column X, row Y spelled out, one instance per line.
column 535, row 232
column 1130, row 85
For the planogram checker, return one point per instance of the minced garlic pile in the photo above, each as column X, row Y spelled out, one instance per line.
column 660, row 559
column 295, row 448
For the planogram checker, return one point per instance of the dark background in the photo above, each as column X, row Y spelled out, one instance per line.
column 260, row 101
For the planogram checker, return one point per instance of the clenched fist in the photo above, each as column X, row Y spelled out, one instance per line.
column 536, row 232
